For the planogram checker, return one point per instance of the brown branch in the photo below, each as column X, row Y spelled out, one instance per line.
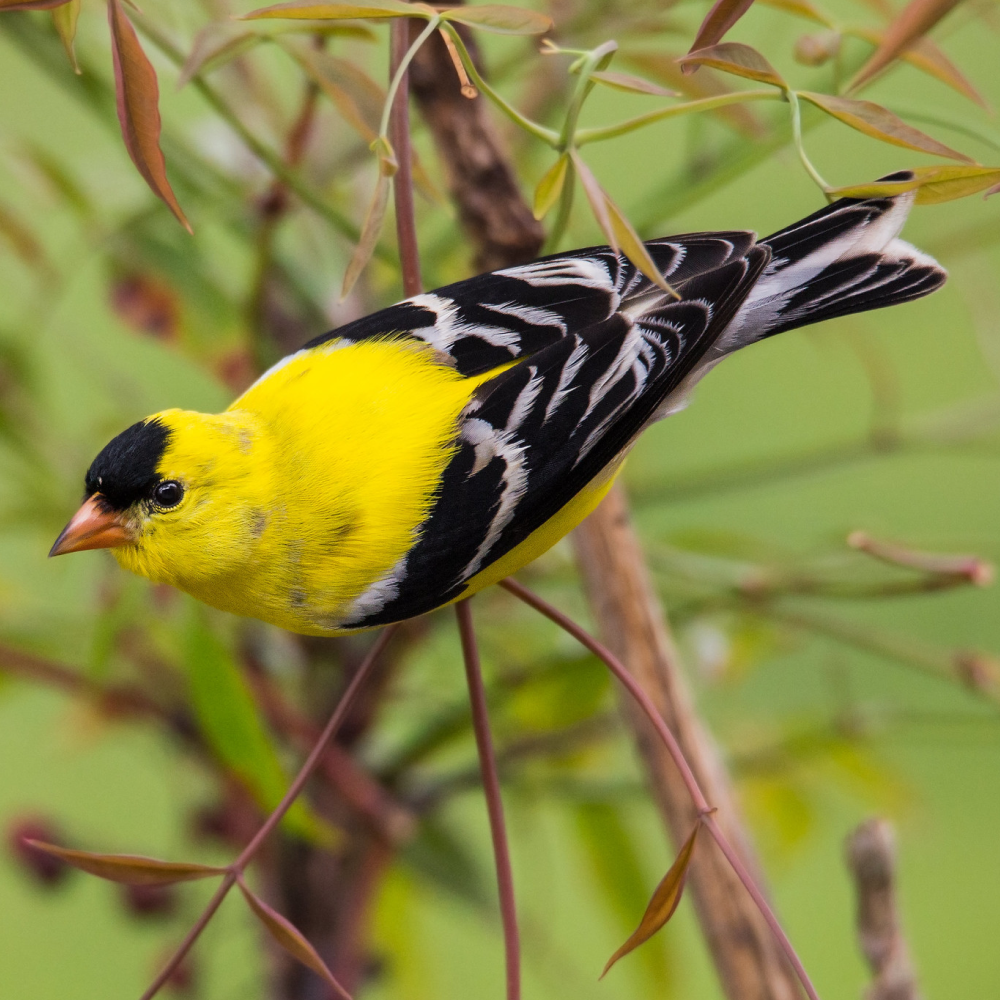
column 387, row 818
column 633, row 625
column 402, row 182
column 494, row 802
column 871, row 856
column 493, row 212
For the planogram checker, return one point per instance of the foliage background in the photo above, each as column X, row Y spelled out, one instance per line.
column 820, row 733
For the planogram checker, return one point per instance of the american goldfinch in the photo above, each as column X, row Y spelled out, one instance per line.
column 418, row 455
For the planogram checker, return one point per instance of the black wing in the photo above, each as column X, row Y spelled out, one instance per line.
column 490, row 320
column 538, row 433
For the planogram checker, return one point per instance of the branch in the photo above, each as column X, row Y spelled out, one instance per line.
column 631, row 620
column 871, row 856
column 495, row 216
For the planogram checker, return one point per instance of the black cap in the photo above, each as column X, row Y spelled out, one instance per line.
column 125, row 470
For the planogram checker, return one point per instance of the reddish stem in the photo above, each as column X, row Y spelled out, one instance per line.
column 402, row 182
column 670, row 742
column 237, row 868
column 494, row 802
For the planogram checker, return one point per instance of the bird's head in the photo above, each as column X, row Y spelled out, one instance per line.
column 178, row 497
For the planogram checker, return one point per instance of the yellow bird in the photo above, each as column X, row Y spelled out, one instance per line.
column 413, row 457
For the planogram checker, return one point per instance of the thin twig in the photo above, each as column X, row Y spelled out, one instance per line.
column 236, row 869
column 670, row 742
column 402, row 181
column 494, row 803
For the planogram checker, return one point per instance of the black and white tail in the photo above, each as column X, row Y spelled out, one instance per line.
column 843, row 259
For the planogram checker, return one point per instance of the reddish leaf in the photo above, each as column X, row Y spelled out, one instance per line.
column 738, row 59
column 31, row 4
column 324, row 10
column 550, row 186
column 632, row 84
column 596, row 197
column 500, row 19
column 912, row 23
column 356, row 95
column 880, row 123
column 132, row 869
column 933, row 185
column 723, row 15
column 137, row 95
column 664, row 902
column 286, row 934
column 369, row 232
column 616, row 227
column 64, row 17
column 801, row 8
column 929, row 57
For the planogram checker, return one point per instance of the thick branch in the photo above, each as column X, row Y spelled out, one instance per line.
column 633, row 625
column 494, row 214
column 871, row 856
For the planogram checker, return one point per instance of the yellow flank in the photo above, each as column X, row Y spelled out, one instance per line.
column 310, row 487
column 542, row 539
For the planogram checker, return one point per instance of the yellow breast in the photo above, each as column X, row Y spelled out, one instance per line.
column 360, row 435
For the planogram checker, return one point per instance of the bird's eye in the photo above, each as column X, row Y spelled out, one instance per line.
column 168, row 493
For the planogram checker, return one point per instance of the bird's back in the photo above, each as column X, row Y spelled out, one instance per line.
column 562, row 363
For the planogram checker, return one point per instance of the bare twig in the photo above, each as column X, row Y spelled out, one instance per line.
column 871, row 856
column 494, row 802
column 402, row 182
column 236, row 869
column 726, row 950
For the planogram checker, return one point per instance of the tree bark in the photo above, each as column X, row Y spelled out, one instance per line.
column 632, row 623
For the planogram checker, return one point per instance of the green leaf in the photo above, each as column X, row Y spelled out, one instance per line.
column 64, row 17
column 499, row 19
column 234, row 730
column 736, row 58
column 933, row 185
column 330, row 10
column 880, row 123
column 664, row 902
column 289, row 937
column 370, row 232
column 131, row 869
column 632, row 84
column 550, row 186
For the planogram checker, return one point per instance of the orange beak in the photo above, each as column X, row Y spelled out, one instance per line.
column 92, row 527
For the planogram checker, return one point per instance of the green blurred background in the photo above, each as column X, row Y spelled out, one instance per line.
column 884, row 422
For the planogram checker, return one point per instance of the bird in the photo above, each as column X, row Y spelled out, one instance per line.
column 411, row 458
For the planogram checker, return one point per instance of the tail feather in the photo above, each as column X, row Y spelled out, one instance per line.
column 844, row 259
